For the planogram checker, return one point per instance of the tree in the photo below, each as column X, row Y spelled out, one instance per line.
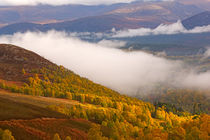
column 68, row 138
column 1, row 133
column 7, row 135
column 56, row 137
column 23, row 71
column 68, row 95
column 194, row 133
column 177, row 133
column 95, row 133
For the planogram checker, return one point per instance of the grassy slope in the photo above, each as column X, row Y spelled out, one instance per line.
column 28, row 116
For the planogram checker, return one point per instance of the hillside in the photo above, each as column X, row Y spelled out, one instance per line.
column 202, row 19
column 58, row 101
column 29, row 117
column 14, row 59
column 173, row 45
column 134, row 15
column 156, row 12
column 88, row 24
column 49, row 14
column 19, row 27
column 204, row 4
column 104, row 18
column 93, row 24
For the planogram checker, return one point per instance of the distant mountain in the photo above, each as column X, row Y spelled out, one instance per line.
column 96, row 18
column 93, row 24
column 89, row 24
column 157, row 12
column 173, row 45
column 49, row 14
column 204, row 4
column 202, row 19
column 20, row 27
column 129, row 16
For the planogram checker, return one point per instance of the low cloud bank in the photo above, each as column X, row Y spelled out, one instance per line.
column 65, row 2
column 126, row 72
column 207, row 53
column 111, row 43
column 175, row 28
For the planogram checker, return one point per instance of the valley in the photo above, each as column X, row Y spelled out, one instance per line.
column 105, row 70
column 65, row 103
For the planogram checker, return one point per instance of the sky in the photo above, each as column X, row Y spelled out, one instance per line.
column 64, row 2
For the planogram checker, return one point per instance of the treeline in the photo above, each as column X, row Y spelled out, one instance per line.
column 7, row 135
column 176, row 100
column 118, row 124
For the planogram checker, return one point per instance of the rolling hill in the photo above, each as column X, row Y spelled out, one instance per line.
column 96, row 18
column 29, row 117
column 173, row 45
column 201, row 19
column 88, row 24
column 50, row 14
column 204, row 4
column 155, row 13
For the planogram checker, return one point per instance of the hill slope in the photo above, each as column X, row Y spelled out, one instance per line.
column 202, row 19
column 83, row 109
column 29, row 117
column 13, row 59
column 49, row 14
column 119, row 16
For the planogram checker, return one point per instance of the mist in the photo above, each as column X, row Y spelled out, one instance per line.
column 162, row 29
column 126, row 72
column 207, row 53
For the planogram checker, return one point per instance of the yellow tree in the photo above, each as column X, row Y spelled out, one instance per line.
column 68, row 138
column 7, row 135
column 56, row 137
column 95, row 133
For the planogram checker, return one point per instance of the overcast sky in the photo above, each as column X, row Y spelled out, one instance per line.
column 63, row 2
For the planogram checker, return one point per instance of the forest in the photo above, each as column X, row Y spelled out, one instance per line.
column 113, row 116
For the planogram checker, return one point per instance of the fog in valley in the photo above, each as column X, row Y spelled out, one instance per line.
column 126, row 72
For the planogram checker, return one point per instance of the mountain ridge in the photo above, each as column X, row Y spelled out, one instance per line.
column 201, row 19
column 119, row 16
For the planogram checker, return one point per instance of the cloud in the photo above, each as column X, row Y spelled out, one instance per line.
column 175, row 28
column 65, row 2
column 207, row 52
column 111, row 43
column 126, row 72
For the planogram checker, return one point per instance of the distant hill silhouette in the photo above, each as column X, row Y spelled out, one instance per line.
column 120, row 16
column 202, row 19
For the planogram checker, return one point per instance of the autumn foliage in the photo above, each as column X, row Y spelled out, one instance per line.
column 114, row 116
